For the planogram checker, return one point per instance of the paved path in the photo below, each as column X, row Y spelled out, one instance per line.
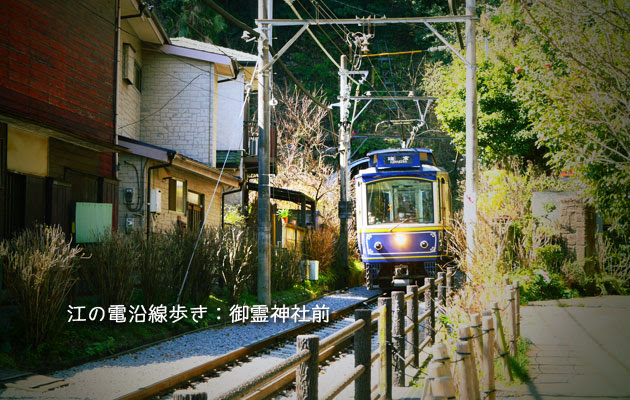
column 580, row 350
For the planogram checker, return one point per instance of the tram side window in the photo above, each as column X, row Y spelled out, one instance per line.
column 400, row 200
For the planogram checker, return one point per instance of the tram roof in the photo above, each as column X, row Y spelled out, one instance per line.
column 410, row 150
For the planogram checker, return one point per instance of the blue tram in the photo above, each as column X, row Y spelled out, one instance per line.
column 403, row 207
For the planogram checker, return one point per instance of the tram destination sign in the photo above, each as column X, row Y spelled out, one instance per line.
column 398, row 159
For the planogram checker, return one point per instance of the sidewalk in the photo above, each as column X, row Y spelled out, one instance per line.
column 580, row 349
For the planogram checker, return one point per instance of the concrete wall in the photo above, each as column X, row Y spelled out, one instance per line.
column 230, row 118
column 177, row 105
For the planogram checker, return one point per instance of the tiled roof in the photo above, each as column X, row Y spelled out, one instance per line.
column 212, row 48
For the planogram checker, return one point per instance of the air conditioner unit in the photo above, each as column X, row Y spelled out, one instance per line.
column 155, row 201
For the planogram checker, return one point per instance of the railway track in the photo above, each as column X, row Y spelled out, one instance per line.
column 226, row 371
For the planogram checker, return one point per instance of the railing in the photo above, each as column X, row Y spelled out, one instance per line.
column 390, row 317
column 476, row 344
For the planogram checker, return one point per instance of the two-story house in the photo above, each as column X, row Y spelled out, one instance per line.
column 57, row 111
column 180, row 117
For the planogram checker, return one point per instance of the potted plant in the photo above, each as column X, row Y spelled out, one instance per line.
column 284, row 214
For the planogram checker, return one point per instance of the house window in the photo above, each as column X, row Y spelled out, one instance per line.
column 131, row 69
column 195, row 210
column 177, row 195
column 137, row 76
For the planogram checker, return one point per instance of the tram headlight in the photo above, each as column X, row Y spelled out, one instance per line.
column 400, row 239
column 378, row 246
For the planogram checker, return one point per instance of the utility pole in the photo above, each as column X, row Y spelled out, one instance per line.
column 264, row 125
column 470, row 196
column 344, row 141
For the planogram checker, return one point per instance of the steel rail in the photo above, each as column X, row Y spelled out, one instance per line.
column 289, row 378
column 183, row 377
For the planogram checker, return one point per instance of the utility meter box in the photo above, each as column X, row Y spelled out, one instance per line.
column 156, row 201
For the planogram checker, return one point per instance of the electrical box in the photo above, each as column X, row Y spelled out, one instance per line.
column 129, row 224
column 156, row 201
column 128, row 195
column 92, row 221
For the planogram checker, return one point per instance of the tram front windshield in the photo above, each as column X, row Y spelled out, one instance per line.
column 400, row 200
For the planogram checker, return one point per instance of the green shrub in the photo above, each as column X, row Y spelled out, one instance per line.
column 551, row 256
column 539, row 284
column 110, row 268
column 39, row 269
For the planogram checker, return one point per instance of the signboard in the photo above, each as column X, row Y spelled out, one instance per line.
column 398, row 160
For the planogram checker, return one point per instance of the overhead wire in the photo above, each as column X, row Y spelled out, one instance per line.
column 330, row 14
column 284, row 68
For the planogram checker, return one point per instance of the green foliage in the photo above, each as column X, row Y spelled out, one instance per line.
column 518, row 364
column 574, row 89
column 503, row 123
column 539, row 284
column 190, row 18
column 233, row 216
column 551, row 256
column 39, row 269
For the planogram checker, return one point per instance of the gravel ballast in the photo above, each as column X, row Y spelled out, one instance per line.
column 114, row 377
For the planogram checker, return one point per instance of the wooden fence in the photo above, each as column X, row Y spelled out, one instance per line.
column 400, row 344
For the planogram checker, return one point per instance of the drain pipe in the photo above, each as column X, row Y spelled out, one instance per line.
column 171, row 156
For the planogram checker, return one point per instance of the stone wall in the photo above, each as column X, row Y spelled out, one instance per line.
column 572, row 218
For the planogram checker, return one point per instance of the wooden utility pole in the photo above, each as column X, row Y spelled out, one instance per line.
column 470, row 195
column 264, row 125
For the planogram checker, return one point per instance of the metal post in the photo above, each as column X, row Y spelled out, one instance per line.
column 398, row 336
column 344, row 104
column 264, row 191
column 429, row 324
column 413, row 338
column 385, row 348
column 308, row 371
column 470, row 196
column 363, row 355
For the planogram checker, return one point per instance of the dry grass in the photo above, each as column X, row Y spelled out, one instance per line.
column 39, row 269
